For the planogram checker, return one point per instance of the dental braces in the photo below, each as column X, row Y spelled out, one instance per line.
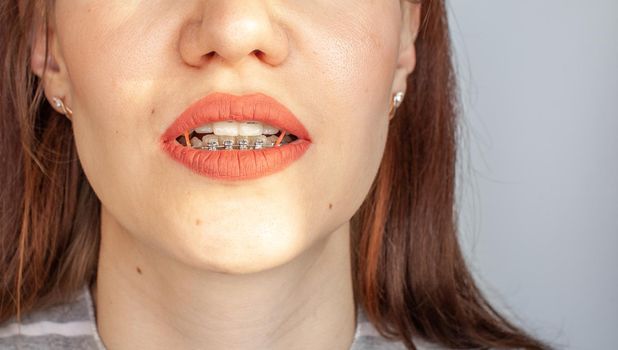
column 243, row 144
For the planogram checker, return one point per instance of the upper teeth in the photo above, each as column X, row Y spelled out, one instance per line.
column 232, row 128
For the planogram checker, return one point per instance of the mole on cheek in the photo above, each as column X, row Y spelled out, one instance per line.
column 152, row 111
column 139, row 270
column 330, row 205
column 198, row 222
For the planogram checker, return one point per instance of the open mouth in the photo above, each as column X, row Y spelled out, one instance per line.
column 239, row 135
column 229, row 137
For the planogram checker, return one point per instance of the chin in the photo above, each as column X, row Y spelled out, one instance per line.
column 241, row 246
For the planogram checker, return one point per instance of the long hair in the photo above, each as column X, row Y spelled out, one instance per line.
column 408, row 270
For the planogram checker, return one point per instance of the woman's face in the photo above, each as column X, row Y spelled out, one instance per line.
column 128, row 68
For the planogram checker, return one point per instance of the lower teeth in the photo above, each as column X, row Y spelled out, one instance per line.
column 213, row 142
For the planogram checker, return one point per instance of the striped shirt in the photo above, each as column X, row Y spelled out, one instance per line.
column 73, row 326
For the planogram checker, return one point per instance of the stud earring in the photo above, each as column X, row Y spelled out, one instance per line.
column 59, row 104
column 396, row 102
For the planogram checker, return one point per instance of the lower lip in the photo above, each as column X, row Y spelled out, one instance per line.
column 237, row 164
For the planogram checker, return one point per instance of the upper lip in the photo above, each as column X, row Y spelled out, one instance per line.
column 222, row 106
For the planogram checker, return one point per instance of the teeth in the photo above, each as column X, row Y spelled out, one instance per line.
column 211, row 142
column 243, row 142
column 259, row 141
column 227, row 141
column 195, row 142
column 269, row 130
column 209, row 138
column 226, row 128
column 232, row 128
column 272, row 139
column 204, row 129
column 231, row 135
column 250, row 129
column 214, row 142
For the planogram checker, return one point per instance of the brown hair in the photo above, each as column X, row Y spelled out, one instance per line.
column 408, row 271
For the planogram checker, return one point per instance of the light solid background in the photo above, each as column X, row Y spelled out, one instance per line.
column 538, row 183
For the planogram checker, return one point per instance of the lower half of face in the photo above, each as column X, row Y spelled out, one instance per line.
column 135, row 67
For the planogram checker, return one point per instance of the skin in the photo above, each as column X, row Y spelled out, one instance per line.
column 189, row 262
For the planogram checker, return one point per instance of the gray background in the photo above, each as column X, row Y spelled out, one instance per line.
column 538, row 183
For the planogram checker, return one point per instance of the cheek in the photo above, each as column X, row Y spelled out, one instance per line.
column 358, row 57
column 114, row 63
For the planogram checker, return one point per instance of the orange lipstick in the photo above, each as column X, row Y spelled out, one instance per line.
column 236, row 164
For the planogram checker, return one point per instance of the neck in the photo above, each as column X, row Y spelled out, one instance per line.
column 147, row 300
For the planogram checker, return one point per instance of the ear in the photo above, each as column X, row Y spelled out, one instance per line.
column 54, row 77
column 406, row 61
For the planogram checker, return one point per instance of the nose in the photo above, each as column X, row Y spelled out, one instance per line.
column 233, row 30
